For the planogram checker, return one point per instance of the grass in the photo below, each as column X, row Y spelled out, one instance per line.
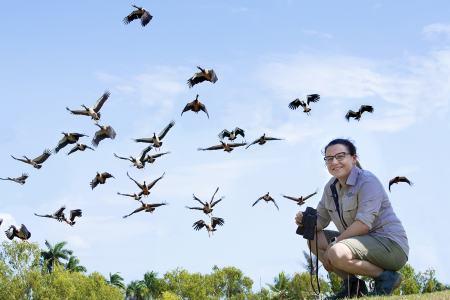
column 444, row 295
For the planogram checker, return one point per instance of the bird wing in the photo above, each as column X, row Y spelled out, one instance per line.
column 23, row 177
column 295, row 104
column 125, row 195
column 257, row 201
column 76, row 148
column 257, row 140
column 59, row 211
column 163, row 132
column 240, row 131
column 188, row 107
column 152, row 184
column 203, row 107
column 218, row 147
column 404, row 179
column 197, row 208
column 195, row 198
column 292, row 198
column 237, row 145
column 146, row 18
column 125, row 158
column 312, row 98
column 137, row 183
column 149, row 140
column 391, row 182
column 160, row 154
column 20, row 159
column 274, row 202
column 77, row 135
column 272, row 139
column 217, row 201
column 133, row 16
column 25, row 232
column 197, row 78
column 157, row 204
column 61, row 144
column 136, row 211
column 107, row 175
column 94, row 182
column 213, row 76
column 143, row 153
column 217, row 221
column 78, row 112
column 223, row 134
column 45, row 216
column 9, row 233
column 111, row 132
column 367, row 108
column 99, row 136
column 199, row 225
column 350, row 114
column 309, row 196
column 98, row 105
column 43, row 157
column 75, row 213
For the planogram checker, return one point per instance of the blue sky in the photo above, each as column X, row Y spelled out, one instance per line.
column 394, row 56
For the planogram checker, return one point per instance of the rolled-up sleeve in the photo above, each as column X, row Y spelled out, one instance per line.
column 322, row 212
column 371, row 195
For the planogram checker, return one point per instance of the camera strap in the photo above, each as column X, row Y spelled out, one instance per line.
column 317, row 266
column 336, row 201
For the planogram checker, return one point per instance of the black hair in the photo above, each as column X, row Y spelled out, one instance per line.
column 347, row 143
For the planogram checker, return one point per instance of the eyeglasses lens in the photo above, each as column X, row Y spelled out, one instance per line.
column 339, row 157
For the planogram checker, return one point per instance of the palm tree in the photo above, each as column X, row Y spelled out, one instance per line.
column 115, row 280
column 311, row 261
column 73, row 265
column 54, row 254
column 136, row 290
column 151, row 282
column 280, row 285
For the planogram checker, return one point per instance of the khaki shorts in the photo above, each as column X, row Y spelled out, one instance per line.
column 381, row 251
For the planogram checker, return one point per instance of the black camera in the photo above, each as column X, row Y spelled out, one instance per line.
column 309, row 222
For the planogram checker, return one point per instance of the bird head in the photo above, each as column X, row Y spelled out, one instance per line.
column 84, row 107
column 196, row 98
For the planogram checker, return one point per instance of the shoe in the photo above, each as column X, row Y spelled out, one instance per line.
column 386, row 283
column 354, row 287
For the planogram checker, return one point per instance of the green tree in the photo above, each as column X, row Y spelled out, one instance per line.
column 136, row 290
column 300, row 286
column 73, row 264
column 411, row 283
column 279, row 287
column 153, row 284
column 54, row 255
column 116, row 280
column 335, row 283
column 311, row 261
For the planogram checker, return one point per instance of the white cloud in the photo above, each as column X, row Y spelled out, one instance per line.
column 436, row 29
column 426, row 255
column 312, row 32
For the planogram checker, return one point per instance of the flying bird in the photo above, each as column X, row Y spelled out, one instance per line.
column 209, row 227
column 309, row 98
column 151, row 158
column 155, row 140
column 103, row 133
column 302, row 199
column 266, row 198
column 20, row 179
column 399, row 179
column 139, row 161
column 1, row 221
column 204, row 75
column 69, row 138
column 147, row 207
column 195, row 106
column 37, row 161
column 357, row 115
column 21, row 233
column 136, row 197
column 145, row 188
column 207, row 206
column 100, row 178
column 262, row 140
column 140, row 13
column 60, row 216
column 231, row 135
column 228, row 147
column 94, row 110
column 80, row 147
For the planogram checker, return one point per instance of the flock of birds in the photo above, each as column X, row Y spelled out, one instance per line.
column 156, row 142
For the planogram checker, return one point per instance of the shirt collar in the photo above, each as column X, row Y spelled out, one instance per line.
column 351, row 180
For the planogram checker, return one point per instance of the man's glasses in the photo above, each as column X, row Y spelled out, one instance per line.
column 340, row 156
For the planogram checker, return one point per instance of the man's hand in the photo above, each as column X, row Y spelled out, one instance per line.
column 298, row 218
column 326, row 261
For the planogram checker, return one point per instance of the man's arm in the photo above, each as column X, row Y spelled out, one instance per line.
column 356, row 229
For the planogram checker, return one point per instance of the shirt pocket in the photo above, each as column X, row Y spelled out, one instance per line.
column 350, row 209
column 331, row 207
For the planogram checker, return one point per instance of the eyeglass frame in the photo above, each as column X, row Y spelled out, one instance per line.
column 334, row 156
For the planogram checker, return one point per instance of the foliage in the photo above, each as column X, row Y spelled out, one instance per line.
column 335, row 283
column 311, row 262
column 153, row 284
column 300, row 286
column 73, row 265
column 21, row 277
column 136, row 290
column 279, row 287
column 53, row 256
column 115, row 280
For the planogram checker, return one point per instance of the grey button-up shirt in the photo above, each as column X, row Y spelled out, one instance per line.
column 362, row 198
